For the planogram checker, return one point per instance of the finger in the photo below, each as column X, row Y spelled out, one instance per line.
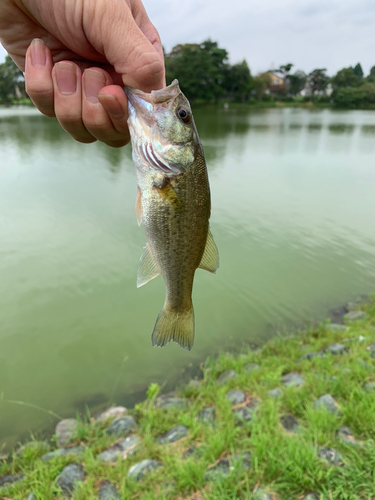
column 115, row 102
column 125, row 46
column 68, row 100
column 99, row 122
column 143, row 21
column 38, row 78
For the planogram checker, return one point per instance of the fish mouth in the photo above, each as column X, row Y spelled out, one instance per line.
column 138, row 98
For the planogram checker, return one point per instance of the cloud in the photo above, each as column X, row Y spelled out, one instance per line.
column 309, row 33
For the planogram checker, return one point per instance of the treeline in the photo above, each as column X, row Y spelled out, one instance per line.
column 205, row 75
column 12, row 83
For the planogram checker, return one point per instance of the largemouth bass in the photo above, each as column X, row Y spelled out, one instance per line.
column 173, row 203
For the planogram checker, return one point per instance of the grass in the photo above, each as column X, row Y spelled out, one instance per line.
column 286, row 465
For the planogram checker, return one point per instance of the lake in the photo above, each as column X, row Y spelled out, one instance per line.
column 293, row 204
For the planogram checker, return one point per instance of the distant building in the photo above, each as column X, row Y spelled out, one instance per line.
column 277, row 82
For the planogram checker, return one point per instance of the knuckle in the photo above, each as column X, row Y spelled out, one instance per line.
column 39, row 94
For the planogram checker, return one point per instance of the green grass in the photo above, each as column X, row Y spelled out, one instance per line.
column 285, row 464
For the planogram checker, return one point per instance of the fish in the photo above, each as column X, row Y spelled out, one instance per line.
column 173, row 203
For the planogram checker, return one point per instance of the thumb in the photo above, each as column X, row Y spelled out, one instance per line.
column 125, row 46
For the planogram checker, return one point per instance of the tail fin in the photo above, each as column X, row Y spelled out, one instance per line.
column 176, row 326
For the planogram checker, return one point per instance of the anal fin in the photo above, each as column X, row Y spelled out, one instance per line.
column 210, row 258
column 147, row 269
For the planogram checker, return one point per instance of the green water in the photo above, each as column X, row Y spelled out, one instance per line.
column 293, row 206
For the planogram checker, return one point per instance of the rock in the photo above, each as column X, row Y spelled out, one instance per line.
column 369, row 386
column 62, row 452
column 207, row 415
column 235, row 397
column 327, row 402
column 31, row 497
column 122, row 449
column 226, row 376
column 170, row 402
column 261, row 494
column 121, row 426
column 364, row 364
column 346, row 435
column 336, row 349
column 337, row 314
column 275, row 393
column 225, row 466
column 65, row 430
column 193, row 451
column 292, row 380
column 311, row 496
column 173, row 435
column 332, row 456
column 355, row 315
column 310, row 355
column 335, row 327
column 108, row 491
column 114, row 412
column 289, row 423
column 137, row 471
column 10, row 479
column 371, row 348
column 251, row 367
column 246, row 413
column 70, row 477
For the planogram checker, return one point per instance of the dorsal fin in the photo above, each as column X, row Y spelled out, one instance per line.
column 210, row 258
column 147, row 269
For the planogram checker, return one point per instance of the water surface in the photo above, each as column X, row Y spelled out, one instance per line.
column 292, row 214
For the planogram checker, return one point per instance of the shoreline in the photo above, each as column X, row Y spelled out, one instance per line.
column 293, row 418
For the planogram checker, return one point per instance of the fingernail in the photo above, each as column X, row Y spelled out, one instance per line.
column 93, row 82
column 111, row 105
column 38, row 53
column 66, row 77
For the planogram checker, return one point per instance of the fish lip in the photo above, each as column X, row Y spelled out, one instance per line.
column 155, row 96
column 144, row 105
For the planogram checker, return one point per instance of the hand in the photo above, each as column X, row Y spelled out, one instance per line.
column 77, row 54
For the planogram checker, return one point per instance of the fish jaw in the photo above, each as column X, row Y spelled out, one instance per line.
column 161, row 141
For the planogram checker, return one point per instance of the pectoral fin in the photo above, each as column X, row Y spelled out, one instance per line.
column 210, row 258
column 138, row 207
column 147, row 269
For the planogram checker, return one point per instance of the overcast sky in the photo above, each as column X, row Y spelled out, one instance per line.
column 308, row 33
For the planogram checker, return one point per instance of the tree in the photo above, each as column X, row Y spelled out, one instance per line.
column 355, row 97
column 296, row 82
column 358, row 71
column 200, row 68
column 261, row 84
column 371, row 76
column 318, row 80
column 11, row 80
column 239, row 81
column 284, row 69
column 345, row 78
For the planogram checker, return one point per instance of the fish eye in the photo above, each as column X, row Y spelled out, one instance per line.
column 184, row 114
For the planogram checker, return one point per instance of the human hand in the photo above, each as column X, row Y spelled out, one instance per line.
column 76, row 56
